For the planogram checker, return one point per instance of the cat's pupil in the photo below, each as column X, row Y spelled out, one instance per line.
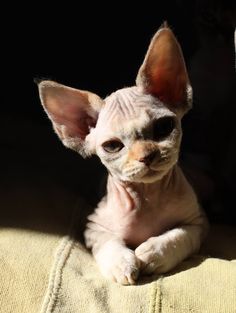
column 112, row 146
column 163, row 127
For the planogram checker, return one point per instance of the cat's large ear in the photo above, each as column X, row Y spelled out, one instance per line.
column 163, row 73
column 73, row 112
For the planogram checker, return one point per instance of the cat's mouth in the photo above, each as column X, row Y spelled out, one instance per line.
column 150, row 173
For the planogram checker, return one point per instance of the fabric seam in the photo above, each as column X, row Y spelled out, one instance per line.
column 55, row 278
column 156, row 291
column 160, row 294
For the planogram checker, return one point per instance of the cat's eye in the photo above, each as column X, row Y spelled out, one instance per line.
column 163, row 127
column 112, row 146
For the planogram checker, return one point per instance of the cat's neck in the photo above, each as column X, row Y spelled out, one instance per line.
column 131, row 196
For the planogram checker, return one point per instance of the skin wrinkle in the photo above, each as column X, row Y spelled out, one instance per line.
column 123, row 103
column 128, row 108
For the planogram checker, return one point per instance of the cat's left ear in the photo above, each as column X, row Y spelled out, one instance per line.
column 163, row 72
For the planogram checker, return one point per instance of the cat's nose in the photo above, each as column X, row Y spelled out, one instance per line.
column 147, row 160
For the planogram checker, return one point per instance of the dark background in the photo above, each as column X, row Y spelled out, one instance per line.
column 101, row 49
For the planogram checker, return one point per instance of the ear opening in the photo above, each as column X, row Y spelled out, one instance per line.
column 72, row 112
column 163, row 72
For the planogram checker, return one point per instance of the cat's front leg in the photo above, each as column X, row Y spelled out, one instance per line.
column 162, row 253
column 116, row 261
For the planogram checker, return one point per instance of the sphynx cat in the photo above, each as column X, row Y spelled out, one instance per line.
column 150, row 219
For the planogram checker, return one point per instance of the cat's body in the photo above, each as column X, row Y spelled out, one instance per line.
column 136, row 212
column 149, row 219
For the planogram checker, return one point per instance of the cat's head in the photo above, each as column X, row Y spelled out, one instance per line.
column 136, row 131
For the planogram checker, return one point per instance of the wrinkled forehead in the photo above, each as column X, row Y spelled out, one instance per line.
column 129, row 107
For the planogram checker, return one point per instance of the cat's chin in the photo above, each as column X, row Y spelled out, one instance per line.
column 152, row 176
column 149, row 177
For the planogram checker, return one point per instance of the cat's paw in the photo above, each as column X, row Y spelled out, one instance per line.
column 152, row 258
column 121, row 267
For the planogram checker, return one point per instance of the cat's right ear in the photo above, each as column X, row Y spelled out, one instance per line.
column 73, row 112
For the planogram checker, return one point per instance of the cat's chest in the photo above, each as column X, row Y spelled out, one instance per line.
column 147, row 216
column 137, row 212
column 152, row 218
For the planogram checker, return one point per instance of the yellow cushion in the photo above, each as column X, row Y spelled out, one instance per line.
column 53, row 273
